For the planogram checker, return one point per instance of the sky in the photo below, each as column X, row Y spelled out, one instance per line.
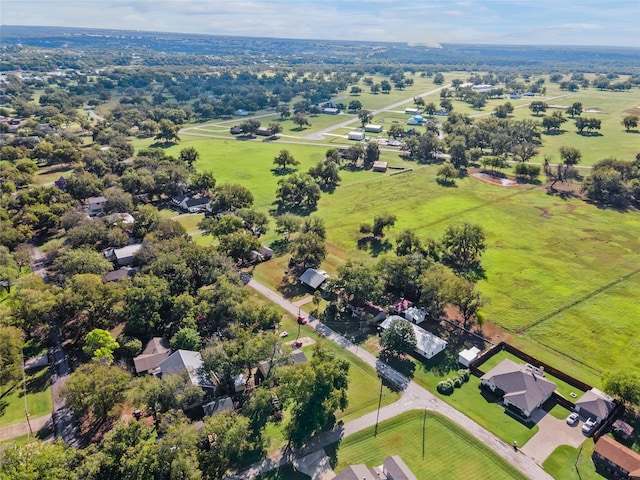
column 428, row 22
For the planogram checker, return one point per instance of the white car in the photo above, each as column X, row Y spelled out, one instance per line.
column 284, row 333
column 573, row 418
column 589, row 425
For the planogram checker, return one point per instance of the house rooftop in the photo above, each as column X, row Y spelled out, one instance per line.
column 427, row 344
column 596, row 403
column 156, row 350
column 189, row 362
column 620, row 455
column 524, row 386
column 313, row 277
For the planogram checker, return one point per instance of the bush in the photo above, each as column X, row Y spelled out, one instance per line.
column 457, row 382
column 445, row 387
column 463, row 374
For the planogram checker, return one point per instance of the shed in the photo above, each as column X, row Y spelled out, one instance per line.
column 313, row 278
column 263, row 131
column 331, row 111
column 412, row 111
column 467, row 356
column 373, row 128
column 355, row 136
column 380, row 166
column 235, row 130
column 415, row 315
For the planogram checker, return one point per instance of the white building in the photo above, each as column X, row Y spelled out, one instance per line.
column 427, row 344
column 358, row 136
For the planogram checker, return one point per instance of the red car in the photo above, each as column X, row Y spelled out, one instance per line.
column 302, row 320
column 296, row 344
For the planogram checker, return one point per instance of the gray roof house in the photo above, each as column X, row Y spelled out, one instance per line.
column 595, row 404
column 393, row 468
column 427, row 344
column 191, row 204
column 218, row 405
column 523, row 386
column 153, row 354
column 123, row 256
column 189, row 362
column 313, row 278
column 95, row 205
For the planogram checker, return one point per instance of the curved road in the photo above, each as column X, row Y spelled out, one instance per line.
column 413, row 397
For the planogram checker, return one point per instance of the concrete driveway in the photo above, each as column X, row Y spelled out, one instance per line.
column 552, row 433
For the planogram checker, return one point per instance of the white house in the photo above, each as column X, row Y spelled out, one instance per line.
column 355, row 136
column 412, row 111
column 373, row 128
column 427, row 344
column 415, row 315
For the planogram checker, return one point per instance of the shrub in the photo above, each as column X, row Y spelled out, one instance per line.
column 445, row 387
column 463, row 374
column 457, row 382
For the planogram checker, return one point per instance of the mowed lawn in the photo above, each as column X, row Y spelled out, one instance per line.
column 449, row 452
column 568, row 463
column 39, row 402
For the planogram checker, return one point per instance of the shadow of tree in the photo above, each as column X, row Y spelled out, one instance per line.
column 38, row 382
column 280, row 246
column 290, row 288
column 374, row 245
column 281, row 172
column 446, row 182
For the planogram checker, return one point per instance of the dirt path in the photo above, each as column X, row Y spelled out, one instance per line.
column 22, row 428
column 413, row 397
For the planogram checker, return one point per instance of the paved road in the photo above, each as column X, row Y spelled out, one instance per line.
column 413, row 397
column 22, row 428
column 62, row 417
column 319, row 135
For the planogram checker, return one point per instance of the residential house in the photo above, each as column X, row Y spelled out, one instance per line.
column 393, row 468
column 218, row 405
column 358, row 136
column 95, row 205
column 61, row 183
column 468, row 355
column 331, row 111
column 416, row 120
column 615, row 459
column 235, row 130
column 595, row 404
column 119, row 274
column 262, row 255
column 189, row 363
column 263, row 369
column 263, row 131
column 428, row 345
column 123, row 256
column 369, row 311
column 373, row 128
column 523, row 387
column 124, row 219
column 313, row 278
column 156, row 350
column 515, row 96
column 191, row 204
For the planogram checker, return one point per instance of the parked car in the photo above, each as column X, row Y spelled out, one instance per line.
column 573, row 418
column 302, row 320
column 283, row 334
column 296, row 344
column 589, row 425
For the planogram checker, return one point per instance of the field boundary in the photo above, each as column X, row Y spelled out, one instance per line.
column 591, row 294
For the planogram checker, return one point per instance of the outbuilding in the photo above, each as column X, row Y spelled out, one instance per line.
column 468, row 355
column 373, row 128
column 427, row 344
column 411, row 111
column 358, row 136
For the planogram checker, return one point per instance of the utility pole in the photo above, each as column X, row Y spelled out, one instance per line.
column 424, row 423
column 24, row 386
column 375, row 433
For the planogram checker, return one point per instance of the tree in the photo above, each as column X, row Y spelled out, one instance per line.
column 203, row 182
column 575, row 109
column 284, row 111
column 186, row 338
column 355, row 105
column 11, row 367
column 538, row 106
column 447, row 174
column 371, row 154
column 395, row 131
column 380, row 222
column 145, row 298
column 230, row 197
column 147, row 220
column 314, row 391
column 231, row 441
column 250, row 127
column 189, row 156
column 94, row 389
column 326, row 174
column 398, row 339
column 357, row 283
column 100, row 345
column 630, row 122
column 466, row 299
column 298, row 190
column 365, row 117
column 438, row 78
column 430, row 108
column 9, row 270
column 553, row 121
column 167, row 131
column 570, row 156
column 625, row 386
column 84, row 260
column 288, row 223
column 301, row 120
column 254, row 221
column 275, row 128
column 239, row 245
column 314, row 225
column 284, row 159
column 407, row 243
column 308, row 250
column 463, row 246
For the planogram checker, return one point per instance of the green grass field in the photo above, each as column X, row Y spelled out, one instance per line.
column 562, row 465
column 449, row 452
column 39, row 402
